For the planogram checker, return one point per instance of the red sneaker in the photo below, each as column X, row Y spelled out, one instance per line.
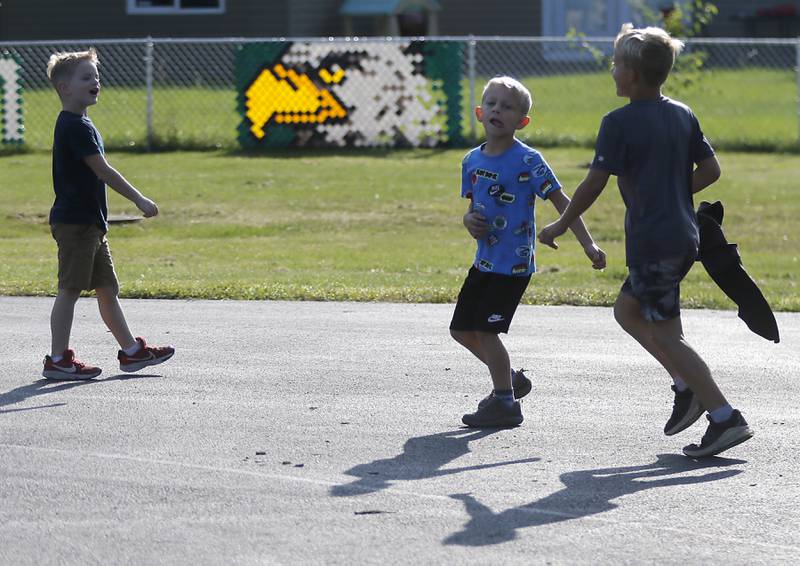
column 68, row 369
column 146, row 356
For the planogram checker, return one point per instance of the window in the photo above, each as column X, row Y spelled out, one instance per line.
column 180, row 7
column 592, row 18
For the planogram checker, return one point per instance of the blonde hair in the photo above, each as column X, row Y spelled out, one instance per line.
column 650, row 51
column 61, row 66
column 523, row 94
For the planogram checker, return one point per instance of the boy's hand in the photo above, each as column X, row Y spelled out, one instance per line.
column 147, row 206
column 549, row 233
column 476, row 224
column 596, row 255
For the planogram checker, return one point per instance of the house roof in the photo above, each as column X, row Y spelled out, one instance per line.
column 385, row 7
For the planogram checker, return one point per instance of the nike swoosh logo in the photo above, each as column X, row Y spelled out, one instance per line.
column 495, row 318
column 151, row 356
column 70, row 369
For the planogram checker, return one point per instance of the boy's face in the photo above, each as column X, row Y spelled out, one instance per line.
column 83, row 87
column 500, row 112
column 624, row 77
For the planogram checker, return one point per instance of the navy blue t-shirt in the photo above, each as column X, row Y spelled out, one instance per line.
column 80, row 194
column 652, row 147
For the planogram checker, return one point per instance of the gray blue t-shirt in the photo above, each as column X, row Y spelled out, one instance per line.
column 80, row 194
column 652, row 147
column 503, row 188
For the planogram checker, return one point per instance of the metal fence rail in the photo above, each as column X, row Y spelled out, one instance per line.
column 183, row 92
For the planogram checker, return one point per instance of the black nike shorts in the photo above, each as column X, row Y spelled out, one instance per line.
column 487, row 301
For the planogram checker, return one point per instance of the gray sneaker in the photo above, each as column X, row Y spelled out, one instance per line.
column 521, row 384
column 721, row 436
column 494, row 413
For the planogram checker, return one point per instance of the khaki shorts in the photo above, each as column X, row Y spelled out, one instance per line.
column 84, row 259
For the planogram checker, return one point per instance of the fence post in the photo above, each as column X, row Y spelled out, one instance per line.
column 148, row 81
column 797, row 76
column 471, row 76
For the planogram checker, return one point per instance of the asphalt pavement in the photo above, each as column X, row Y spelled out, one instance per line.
column 330, row 433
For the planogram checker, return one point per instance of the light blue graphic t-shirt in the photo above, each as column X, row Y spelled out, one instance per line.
column 503, row 188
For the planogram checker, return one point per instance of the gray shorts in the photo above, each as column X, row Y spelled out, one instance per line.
column 656, row 285
column 84, row 259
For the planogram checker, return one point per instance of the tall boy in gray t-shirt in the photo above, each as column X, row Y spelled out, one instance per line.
column 652, row 145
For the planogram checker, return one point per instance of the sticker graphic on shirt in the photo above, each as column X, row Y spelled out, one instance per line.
column 508, row 198
column 492, row 239
column 519, row 269
column 523, row 228
column 541, row 170
column 523, row 251
column 546, row 186
column 529, row 158
column 486, row 174
column 499, row 223
column 496, row 190
column 488, row 265
column 524, row 177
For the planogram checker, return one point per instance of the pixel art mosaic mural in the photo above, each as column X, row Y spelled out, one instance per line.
column 400, row 94
column 12, row 129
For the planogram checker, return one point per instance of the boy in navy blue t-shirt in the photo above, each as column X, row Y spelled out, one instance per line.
column 79, row 223
column 502, row 178
column 652, row 145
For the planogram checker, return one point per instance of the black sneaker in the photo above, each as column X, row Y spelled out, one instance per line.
column 721, row 436
column 494, row 413
column 521, row 384
column 686, row 409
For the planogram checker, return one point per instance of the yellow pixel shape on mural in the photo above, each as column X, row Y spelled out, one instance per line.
column 292, row 98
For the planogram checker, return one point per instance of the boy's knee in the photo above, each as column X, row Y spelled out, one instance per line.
column 66, row 294
column 622, row 315
column 460, row 336
column 486, row 337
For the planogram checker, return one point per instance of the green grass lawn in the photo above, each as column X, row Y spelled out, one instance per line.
column 736, row 111
column 365, row 226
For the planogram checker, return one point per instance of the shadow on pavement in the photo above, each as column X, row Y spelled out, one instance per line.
column 46, row 386
column 585, row 493
column 422, row 457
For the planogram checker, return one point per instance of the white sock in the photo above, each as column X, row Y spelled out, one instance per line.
column 57, row 359
column 721, row 414
column 680, row 384
column 131, row 350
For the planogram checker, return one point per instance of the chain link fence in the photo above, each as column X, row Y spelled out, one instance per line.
column 164, row 94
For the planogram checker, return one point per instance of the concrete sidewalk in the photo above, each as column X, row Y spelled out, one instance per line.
column 330, row 433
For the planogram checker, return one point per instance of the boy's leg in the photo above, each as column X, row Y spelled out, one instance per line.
column 113, row 317
column 495, row 356
column 469, row 339
column 668, row 337
column 628, row 314
column 61, row 320
column 62, row 365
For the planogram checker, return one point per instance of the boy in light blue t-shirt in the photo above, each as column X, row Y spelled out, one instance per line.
column 502, row 179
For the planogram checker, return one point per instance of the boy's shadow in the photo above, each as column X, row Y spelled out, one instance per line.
column 422, row 457
column 585, row 492
column 46, row 386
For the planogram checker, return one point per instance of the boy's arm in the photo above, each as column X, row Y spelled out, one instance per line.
column 707, row 172
column 111, row 177
column 475, row 223
column 595, row 254
column 586, row 193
